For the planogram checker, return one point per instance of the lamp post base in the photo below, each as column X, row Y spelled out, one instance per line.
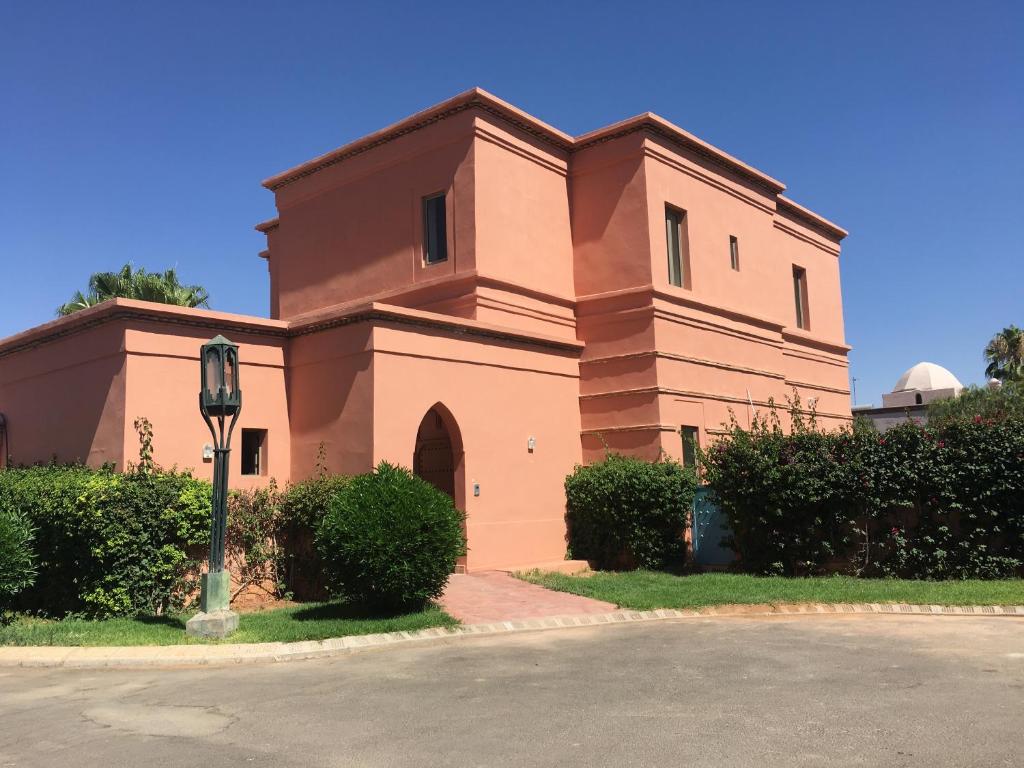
column 215, row 618
column 212, row 625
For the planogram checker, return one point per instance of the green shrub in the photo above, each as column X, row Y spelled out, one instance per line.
column 253, row 539
column 948, row 502
column 939, row 502
column 303, row 505
column 1006, row 401
column 17, row 560
column 390, row 539
column 791, row 500
column 624, row 512
column 109, row 544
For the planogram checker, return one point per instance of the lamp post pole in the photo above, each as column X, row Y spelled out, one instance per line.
column 220, row 402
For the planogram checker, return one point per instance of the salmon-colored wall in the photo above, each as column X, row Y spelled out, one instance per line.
column 611, row 245
column 163, row 386
column 65, row 399
column 354, row 229
column 330, row 387
column 522, row 211
column 499, row 394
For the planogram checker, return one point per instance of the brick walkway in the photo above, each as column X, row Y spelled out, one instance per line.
column 497, row 596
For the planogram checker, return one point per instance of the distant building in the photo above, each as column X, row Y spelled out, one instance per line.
column 922, row 384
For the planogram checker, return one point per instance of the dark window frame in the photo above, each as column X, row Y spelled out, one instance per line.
column 690, row 436
column 435, row 229
column 734, row 252
column 800, row 300
column 677, row 246
column 254, row 458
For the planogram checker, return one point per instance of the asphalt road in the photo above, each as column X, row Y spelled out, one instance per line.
column 783, row 691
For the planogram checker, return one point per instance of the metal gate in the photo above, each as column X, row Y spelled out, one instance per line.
column 709, row 528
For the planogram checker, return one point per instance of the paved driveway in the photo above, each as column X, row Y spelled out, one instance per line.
column 783, row 691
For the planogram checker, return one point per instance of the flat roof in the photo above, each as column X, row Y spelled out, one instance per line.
column 481, row 99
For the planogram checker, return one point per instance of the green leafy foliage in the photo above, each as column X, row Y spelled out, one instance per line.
column 109, row 544
column 390, row 539
column 303, row 505
column 945, row 502
column 1003, row 402
column 790, row 499
column 17, row 560
column 625, row 512
column 938, row 502
column 128, row 283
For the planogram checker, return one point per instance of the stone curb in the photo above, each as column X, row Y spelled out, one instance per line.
column 201, row 655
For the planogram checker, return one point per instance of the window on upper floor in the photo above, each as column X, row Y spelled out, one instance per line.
column 691, row 441
column 803, row 319
column 734, row 252
column 435, row 230
column 677, row 247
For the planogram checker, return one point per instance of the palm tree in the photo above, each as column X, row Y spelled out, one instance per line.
column 164, row 288
column 1005, row 355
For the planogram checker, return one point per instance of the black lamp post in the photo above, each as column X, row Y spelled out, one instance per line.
column 220, row 401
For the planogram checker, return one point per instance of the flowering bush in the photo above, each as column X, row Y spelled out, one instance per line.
column 913, row 502
column 791, row 499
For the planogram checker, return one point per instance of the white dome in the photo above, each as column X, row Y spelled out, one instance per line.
column 926, row 376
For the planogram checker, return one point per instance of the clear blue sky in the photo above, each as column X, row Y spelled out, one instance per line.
column 140, row 132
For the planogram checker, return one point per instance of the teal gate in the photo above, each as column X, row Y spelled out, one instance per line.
column 709, row 528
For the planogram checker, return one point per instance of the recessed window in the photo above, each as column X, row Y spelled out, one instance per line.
column 691, row 437
column 677, row 246
column 800, row 297
column 254, row 451
column 734, row 252
column 435, row 230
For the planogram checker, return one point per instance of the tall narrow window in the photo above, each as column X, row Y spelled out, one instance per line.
column 800, row 297
column 690, row 436
column 254, row 451
column 676, row 244
column 435, row 230
column 734, row 252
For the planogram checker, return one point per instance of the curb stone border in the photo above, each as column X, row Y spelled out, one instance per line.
column 93, row 657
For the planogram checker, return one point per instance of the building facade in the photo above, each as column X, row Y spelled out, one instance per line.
column 919, row 385
column 477, row 295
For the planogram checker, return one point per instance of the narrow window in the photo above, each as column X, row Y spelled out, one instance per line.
column 691, row 436
column 734, row 252
column 676, row 244
column 800, row 297
column 435, row 230
column 254, row 451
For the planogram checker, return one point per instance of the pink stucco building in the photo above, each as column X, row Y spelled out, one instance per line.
column 478, row 295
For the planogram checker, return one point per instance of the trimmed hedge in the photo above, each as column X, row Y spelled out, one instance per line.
column 390, row 539
column 625, row 513
column 913, row 502
column 17, row 560
column 109, row 544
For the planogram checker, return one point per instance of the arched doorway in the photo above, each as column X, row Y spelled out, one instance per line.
column 438, row 458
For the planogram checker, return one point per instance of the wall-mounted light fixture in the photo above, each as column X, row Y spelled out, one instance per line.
column 531, row 443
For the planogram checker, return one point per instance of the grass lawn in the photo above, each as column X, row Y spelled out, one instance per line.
column 645, row 590
column 310, row 621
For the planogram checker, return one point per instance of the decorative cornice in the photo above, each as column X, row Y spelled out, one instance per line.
column 656, row 126
column 473, row 99
column 123, row 309
column 811, row 219
column 479, row 99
